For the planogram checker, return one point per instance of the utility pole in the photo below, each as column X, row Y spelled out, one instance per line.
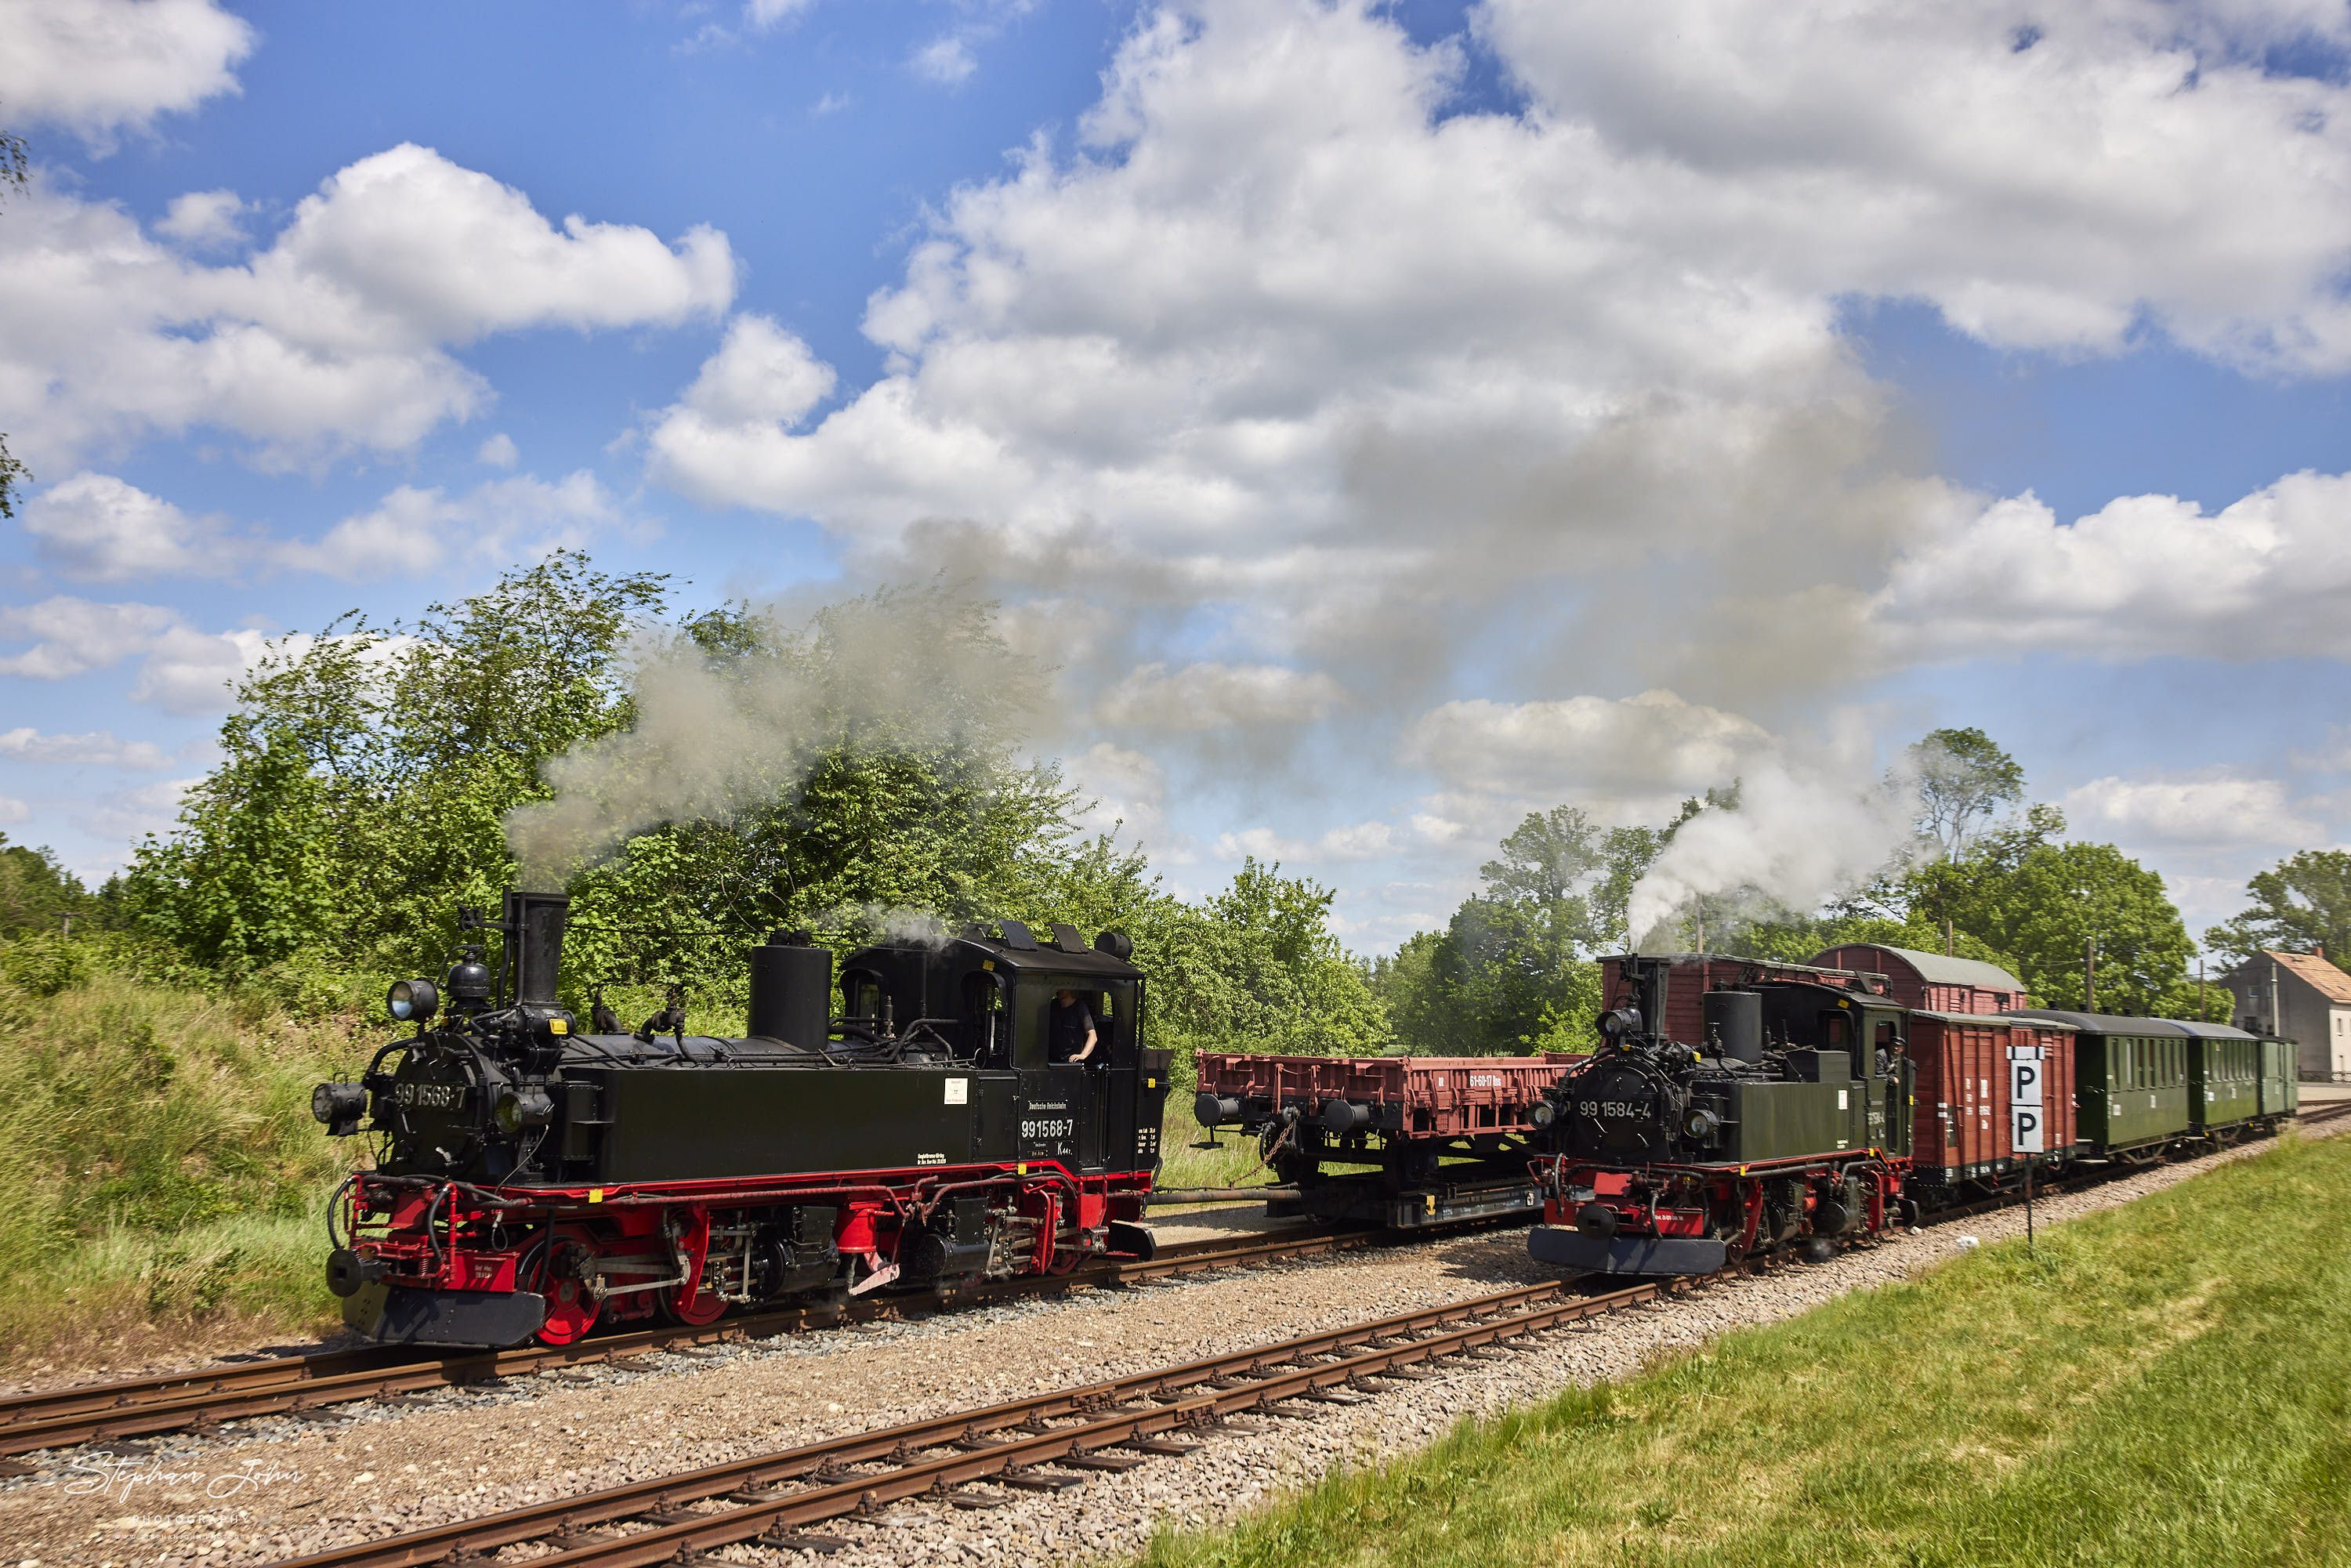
column 1950, row 948
column 2090, row 974
column 2200, row 991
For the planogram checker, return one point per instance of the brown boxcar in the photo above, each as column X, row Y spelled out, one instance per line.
column 1963, row 1130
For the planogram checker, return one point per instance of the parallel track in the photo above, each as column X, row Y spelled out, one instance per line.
column 143, row 1407
column 1044, row 1443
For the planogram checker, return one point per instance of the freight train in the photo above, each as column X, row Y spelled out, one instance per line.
column 1734, row 1107
column 531, row 1179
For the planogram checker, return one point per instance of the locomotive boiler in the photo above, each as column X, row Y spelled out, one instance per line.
column 534, row 1179
column 1787, row 1123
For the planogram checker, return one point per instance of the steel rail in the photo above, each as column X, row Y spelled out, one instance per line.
column 998, row 1442
column 198, row 1400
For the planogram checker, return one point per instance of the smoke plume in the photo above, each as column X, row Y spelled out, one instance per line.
column 732, row 717
column 1797, row 835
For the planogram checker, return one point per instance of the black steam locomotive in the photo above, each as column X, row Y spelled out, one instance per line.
column 1789, row 1122
column 533, row 1179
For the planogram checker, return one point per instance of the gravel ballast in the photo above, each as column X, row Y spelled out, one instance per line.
column 270, row 1489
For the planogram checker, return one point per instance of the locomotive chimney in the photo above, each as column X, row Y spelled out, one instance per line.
column 792, row 990
column 534, row 930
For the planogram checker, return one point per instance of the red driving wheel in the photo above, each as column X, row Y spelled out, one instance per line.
column 571, row 1310
column 706, row 1308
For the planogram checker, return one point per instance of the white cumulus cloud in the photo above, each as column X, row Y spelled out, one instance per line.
column 182, row 670
column 2267, row 577
column 25, row 743
column 99, row 529
column 415, row 530
column 337, row 335
column 103, row 67
column 2200, row 813
column 1205, row 697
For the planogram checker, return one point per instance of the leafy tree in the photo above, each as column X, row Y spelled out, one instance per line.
column 1964, row 778
column 1511, row 970
column 2302, row 904
column 35, row 891
column 869, row 780
column 366, row 775
column 2057, row 899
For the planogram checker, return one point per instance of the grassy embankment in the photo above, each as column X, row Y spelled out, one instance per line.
column 2163, row 1384
column 162, row 1182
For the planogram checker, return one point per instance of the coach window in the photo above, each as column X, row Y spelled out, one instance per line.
column 1832, row 1032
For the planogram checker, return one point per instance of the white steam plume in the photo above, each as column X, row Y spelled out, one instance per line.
column 1797, row 836
column 720, row 733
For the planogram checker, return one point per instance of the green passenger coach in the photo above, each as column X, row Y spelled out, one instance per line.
column 2141, row 1084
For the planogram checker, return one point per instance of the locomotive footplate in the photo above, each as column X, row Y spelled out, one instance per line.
column 1570, row 1248
column 493, row 1319
column 1369, row 1202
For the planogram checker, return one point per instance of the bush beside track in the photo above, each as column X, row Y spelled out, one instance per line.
column 2164, row 1383
column 161, row 1178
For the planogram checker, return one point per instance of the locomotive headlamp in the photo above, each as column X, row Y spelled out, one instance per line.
column 1700, row 1123
column 411, row 1001
column 520, row 1108
column 1542, row 1114
column 1621, row 1021
column 339, row 1106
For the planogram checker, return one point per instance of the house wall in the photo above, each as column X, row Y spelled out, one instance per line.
column 2320, row 1028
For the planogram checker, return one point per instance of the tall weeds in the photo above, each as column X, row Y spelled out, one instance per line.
column 160, row 1174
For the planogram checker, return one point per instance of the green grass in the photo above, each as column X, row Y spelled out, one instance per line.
column 2164, row 1384
column 161, row 1179
column 1184, row 1164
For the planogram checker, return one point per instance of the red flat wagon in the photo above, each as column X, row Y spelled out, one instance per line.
column 1394, row 1140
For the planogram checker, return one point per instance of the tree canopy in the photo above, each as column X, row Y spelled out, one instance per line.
column 693, row 783
column 1963, row 780
column 2302, row 904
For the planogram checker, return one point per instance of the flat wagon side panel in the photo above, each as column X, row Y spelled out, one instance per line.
column 1435, row 1096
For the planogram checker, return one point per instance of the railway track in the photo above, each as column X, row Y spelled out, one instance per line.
column 135, row 1408
column 197, row 1401
column 1045, row 1443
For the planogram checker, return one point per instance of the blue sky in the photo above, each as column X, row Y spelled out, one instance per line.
column 1388, row 419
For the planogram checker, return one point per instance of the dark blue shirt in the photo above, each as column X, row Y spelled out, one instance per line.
column 1067, row 1036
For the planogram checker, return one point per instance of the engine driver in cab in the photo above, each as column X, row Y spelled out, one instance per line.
column 1073, row 1036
